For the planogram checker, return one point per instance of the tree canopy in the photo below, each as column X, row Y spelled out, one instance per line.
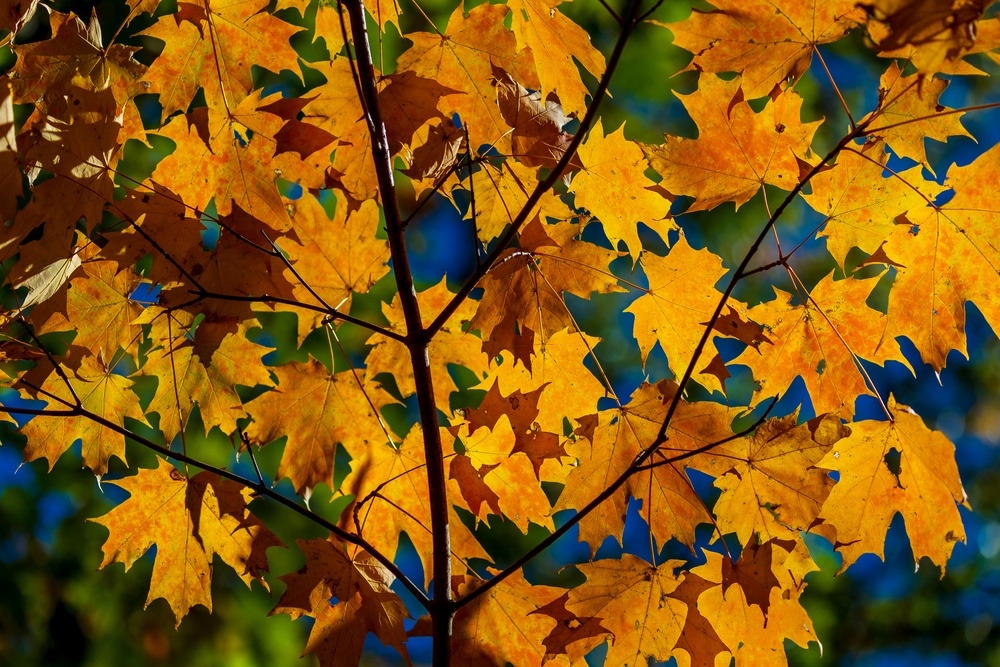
column 216, row 282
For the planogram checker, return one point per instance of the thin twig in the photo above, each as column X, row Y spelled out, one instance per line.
column 667, row 460
column 550, row 180
column 257, row 487
column 335, row 314
column 836, row 89
column 253, row 459
column 949, row 112
column 611, row 11
column 649, row 13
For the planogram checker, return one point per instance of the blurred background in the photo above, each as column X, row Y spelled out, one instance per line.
column 57, row 609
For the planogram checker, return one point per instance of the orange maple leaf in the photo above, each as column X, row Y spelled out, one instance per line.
column 737, row 150
column 189, row 521
column 923, row 486
column 364, row 602
column 769, row 44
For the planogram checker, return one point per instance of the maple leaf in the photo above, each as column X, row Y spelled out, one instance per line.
column 189, row 521
column 632, row 599
column 525, row 290
column 751, row 635
column 439, row 143
column 924, row 488
column 861, row 205
column 212, row 45
column 408, row 102
column 336, row 109
column 565, row 638
column 364, row 604
column 16, row 13
column 147, row 285
column 216, row 160
column 947, row 256
column 537, row 139
column 200, row 370
column 334, row 257
column 295, row 135
column 331, row 409
column 169, row 231
column 501, row 191
column 463, row 57
column 826, row 336
column 80, row 146
column 699, row 643
column 48, row 282
column 680, row 298
column 772, row 487
column 489, row 472
column 613, row 187
column 97, row 306
column 930, row 33
column 520, row 410
column 737, row 150
column 101, row 392
column 556, row 357
column 769, row 44
column 616, row 437
column 538, row 25
column 75, row 51
column 906, row 99
column 222, row 292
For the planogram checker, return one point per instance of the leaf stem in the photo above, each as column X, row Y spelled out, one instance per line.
column 836, row 88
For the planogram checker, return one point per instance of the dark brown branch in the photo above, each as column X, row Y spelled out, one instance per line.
column 417, row 339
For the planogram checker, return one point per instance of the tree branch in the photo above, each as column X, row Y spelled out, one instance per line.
column 417, row 339
column 661, row 436
column 258, row 487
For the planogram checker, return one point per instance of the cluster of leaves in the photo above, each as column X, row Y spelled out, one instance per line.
column 130, row 306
